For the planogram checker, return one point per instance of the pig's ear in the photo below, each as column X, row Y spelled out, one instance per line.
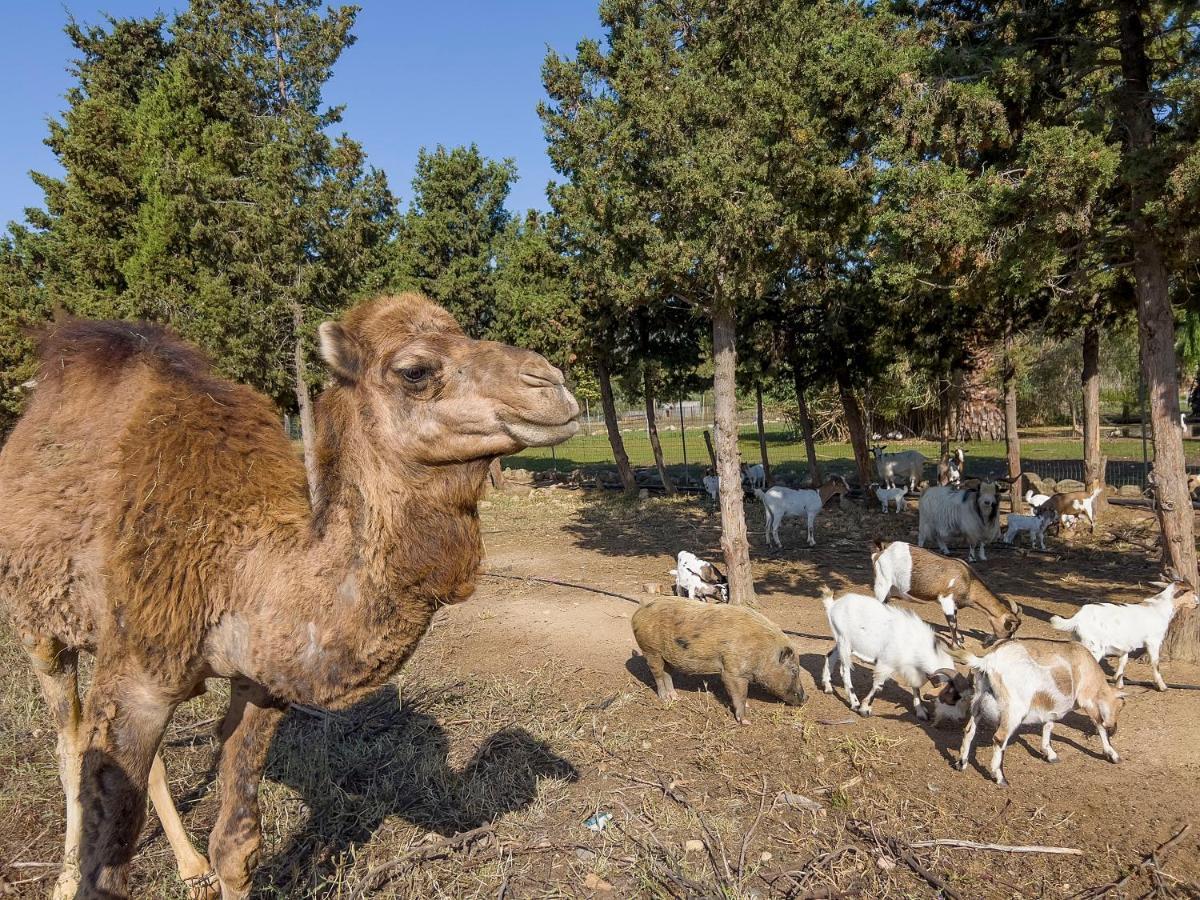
column 786, row 653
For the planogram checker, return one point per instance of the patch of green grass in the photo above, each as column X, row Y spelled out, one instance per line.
column 593, row 449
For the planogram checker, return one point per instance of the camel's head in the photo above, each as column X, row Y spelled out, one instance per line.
column 437, row 395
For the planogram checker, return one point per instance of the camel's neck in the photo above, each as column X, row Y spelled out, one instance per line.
column 389, row 544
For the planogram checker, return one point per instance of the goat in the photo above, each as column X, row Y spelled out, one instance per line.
column 697, row 579
column 756, row 476
column 712, row 484
column 1036, row 525
column 922, row 575
column 1035, row 500
column 908, row 465
column 887, row 495
column 895, row 641
column 1079, row 503
column 952, row 467
column 944, row 512
column 780, row 502
column 1108, row 629
column 1036, row 682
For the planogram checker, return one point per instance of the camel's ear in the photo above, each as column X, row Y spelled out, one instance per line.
column 341, row 351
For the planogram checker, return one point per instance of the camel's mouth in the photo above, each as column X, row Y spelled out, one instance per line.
column 533, row 434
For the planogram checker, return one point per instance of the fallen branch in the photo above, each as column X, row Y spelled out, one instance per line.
column 903, row 852
column 570, row 584
column 1149, row 861
column 999, row 848
column 434, row 850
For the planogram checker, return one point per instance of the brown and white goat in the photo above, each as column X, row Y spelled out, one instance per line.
column 917, row 574
column 1075, row 503
column 1036, row 682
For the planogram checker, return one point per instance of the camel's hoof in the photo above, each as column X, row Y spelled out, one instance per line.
column 67, row 885
column 1052, row 759
column 205, row 886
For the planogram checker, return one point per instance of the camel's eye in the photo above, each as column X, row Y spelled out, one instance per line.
column 414, row 374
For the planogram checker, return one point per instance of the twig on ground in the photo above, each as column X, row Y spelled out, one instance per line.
column 762, row 803
column 999, row 848
column 435, row 850
column 902, row 851
column 570, row 584
column 1148, row 862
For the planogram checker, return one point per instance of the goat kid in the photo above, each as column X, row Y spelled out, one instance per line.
column 1034, row 525
column 1036, row 682
column 699, row 580
column 895, row 641
column 888, row 496
column 756, row 476
column 1111, row 629
column 780, row 503
column 923, row 576
column 712, row 484
column 1076, row 503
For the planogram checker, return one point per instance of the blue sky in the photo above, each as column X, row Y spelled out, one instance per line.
column 420, row 74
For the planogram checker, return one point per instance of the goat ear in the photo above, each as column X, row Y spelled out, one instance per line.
column 942, row 676
column 341, row 351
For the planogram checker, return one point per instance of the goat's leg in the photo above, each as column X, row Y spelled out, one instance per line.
column 1120, row 674
column 918, row 706
column 1047, row 750
column 811, row 517
column 950, row 611
column 1109, row 751
column 124, row 717
column 1152, row 651
column 194, row 870
column 964, row 752
column 846, row 658
column 737, row 687
column 57, row 669
column 878, row 680
column 1005, row 729
column 830, row 659
column 246, row 731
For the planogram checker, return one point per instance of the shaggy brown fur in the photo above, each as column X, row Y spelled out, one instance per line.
column 157, row 516
column 739, row 644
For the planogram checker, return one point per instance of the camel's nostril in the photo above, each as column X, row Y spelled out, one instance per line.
column 542, row 377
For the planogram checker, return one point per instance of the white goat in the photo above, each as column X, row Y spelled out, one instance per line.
column 944, row 512
column 712, row 484
column 1036, row 682
column 1109, row 629
column 1035, row 500
column 756, row 476
column 1035, row 525
column 887, row 495
column 905, row 466
column 699, row 580
column 895, row 641
column 780, row 502
column 956, row 466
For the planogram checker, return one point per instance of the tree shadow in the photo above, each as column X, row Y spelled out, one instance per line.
column 381, row 759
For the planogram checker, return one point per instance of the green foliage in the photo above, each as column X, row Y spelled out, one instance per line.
column 448, row 241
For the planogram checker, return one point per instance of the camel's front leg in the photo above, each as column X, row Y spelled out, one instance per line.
column 194, row 870
column 246, row 734
column 57, row 671
column 123, row 721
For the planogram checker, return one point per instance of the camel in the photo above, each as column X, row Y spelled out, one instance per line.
column 156, row 516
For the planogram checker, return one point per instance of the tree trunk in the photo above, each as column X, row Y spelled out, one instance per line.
column 854, row 423
column 614, row 428
column 945, row 407
column 978, row 415
column 652, row 429
column 1012, row 437
column 308, row 427
column 762, row 437
column 1093, row 462
column 1156, row 326
column 810, row 447
column 734, row 542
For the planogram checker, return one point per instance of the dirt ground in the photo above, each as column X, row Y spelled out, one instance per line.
column 526, row 712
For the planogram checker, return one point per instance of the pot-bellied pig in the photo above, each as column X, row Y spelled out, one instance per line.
column 739, row 644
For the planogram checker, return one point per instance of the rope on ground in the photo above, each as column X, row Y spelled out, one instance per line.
column 569, row 584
